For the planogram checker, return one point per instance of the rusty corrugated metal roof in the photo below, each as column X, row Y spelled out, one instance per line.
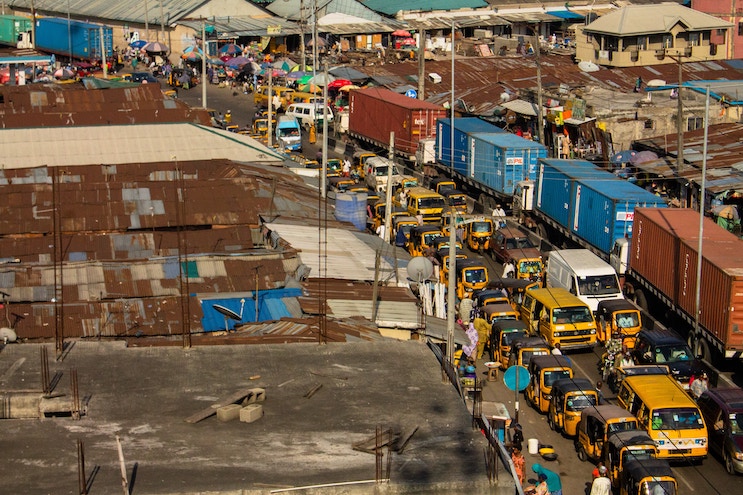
column 54, row 105
column 479, row 81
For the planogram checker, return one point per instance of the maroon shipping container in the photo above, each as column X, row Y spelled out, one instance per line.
column 376, row 112
column 664, row 253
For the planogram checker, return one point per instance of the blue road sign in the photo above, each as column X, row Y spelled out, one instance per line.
column 411, row 93
column 516, row 378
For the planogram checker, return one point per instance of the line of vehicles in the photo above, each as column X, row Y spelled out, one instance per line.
column 630, row 253
column 652, row 249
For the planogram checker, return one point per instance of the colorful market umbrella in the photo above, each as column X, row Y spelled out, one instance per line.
column 310, row 88
column 64, row 73
column 321, row 79
column 137, row 44
column 191, row 56
column 643, row 157
column 155, row 47
column 216, row 61
column 401, row 33
column 225, row 58
column 231, row 49
column 348, row 87
column 623, row 156
column 274, row 72
column 192, row 48
column 305, row 79
column 236, row 62
column 338, row 83
column 295, row 75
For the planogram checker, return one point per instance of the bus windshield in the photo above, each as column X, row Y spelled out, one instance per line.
column 434, row 202
column 681, row 418
column 577, row 314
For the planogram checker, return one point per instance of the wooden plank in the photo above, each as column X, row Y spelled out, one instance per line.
column 212, row 409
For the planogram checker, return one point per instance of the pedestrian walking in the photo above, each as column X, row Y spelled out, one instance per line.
column 602, row 484
column 519, row 464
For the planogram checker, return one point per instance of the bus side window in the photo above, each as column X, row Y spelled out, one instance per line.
column 636, row 404
column 642, row 416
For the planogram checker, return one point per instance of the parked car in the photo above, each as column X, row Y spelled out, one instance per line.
column 722, row 409
column 142, row 77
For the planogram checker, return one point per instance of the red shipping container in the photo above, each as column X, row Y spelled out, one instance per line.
column 376, row 112
column 664, row 251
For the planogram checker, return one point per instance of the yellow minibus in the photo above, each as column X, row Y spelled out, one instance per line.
column 667, row 413
column 559, row 317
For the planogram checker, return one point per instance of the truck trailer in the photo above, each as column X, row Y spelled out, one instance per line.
column 591, row 207
column 488, row 162
column 660, row 264
column 374, row 113
column 12, row 27
column 75, row 39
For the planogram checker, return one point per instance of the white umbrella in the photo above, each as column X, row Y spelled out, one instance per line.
column 321, row 80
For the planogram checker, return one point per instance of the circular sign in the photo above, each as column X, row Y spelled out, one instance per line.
column 516, row 378
column 411, row 93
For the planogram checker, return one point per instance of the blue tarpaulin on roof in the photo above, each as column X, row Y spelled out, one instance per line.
column 270, row 308
column 566, row 14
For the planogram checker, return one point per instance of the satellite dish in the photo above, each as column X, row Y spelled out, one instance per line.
column 8, row 334
column 420, row 268
column 229, row 314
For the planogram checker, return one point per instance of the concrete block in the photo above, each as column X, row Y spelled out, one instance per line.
column 229, row 412
column 255, row 395
column 250, row 413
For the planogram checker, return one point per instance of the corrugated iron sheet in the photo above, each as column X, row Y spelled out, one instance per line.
column 345, row 257
column 54, row 105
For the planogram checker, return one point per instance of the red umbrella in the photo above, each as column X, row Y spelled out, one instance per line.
column 225, row 58
column 338, row 83
column 401, row 33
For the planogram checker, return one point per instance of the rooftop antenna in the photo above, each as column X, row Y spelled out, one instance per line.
column 229, row 314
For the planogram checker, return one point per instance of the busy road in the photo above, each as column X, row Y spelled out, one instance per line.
column 708, row 476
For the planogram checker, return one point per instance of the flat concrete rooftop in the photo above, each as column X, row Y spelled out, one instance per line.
column 144, row 395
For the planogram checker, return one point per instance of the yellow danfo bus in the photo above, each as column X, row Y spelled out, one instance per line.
column 559, row 317
column 667, row 413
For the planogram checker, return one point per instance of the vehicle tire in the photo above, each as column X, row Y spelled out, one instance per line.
column 728, row 462
column 551, row 423
column 641, row 300
column 582, row 454
column 542, row 231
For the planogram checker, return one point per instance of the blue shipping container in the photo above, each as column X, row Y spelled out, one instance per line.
column 462, row 128
column 554, row 181
column 81, row 39
column 602, row 211
column 500, row 161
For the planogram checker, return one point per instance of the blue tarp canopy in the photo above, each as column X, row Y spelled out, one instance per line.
column 270, row 307
column 566, row 14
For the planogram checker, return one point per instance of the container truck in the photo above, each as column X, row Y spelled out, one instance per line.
column 575, row 200
column 76, row 39
column 12, row 27
column 376, row 112
column 660, row 270
column 488, row 162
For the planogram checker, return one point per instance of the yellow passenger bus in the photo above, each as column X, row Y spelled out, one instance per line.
column 559, row 317
column 427, row 203
column 667, row 413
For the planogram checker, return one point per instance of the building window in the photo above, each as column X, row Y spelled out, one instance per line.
column 642, row 42
column 694, row 123
column 693, row 39
column 667, row 41
column 740, row 29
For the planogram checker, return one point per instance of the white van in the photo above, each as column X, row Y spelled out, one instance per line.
column 376, row 173
column 584, row 274
column 309, row 113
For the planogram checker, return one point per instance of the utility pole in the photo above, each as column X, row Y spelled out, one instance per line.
column 204, row 82
column 302, row 48
column 680, row 123
column 421, row 64
column 537, row 50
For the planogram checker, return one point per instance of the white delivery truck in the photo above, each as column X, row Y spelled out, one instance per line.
column 584, row 274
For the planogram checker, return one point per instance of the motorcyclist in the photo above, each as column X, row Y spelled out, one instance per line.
column 613, row 350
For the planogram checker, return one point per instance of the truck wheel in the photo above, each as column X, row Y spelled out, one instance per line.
column 542, row 231
column 640, row 300
column 702, row 349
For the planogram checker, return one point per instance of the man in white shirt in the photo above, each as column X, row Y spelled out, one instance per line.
column 602, row 484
